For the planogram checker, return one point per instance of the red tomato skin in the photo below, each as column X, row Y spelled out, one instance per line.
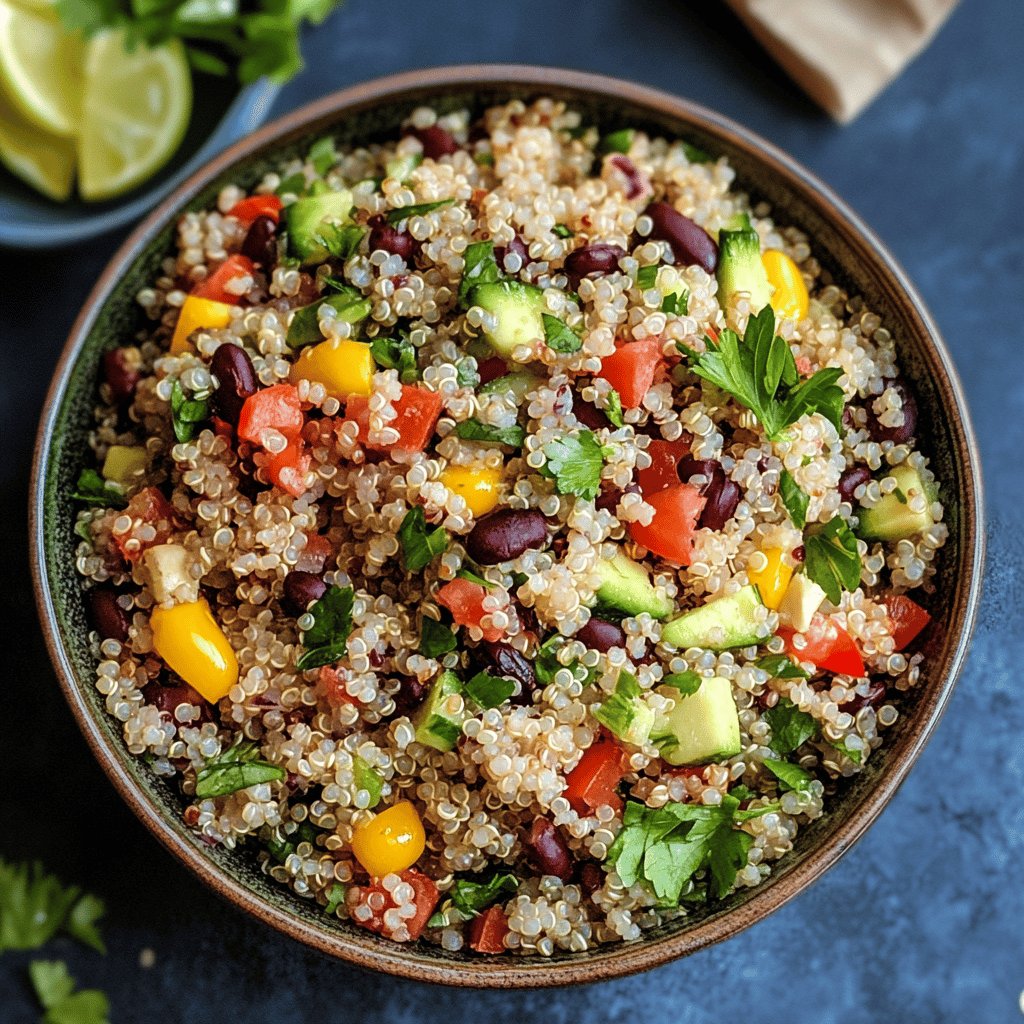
column 670, row 533
column 213, row 287
column 907, row 618
column 630, row 369
column 828, row 646
column 663, row 471
column 248, row 209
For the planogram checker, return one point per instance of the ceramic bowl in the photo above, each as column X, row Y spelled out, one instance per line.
column 845, row 247
column 222, row 114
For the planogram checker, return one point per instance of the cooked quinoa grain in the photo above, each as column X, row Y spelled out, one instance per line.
column 518, row 553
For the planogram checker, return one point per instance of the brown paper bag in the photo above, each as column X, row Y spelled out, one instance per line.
column 843, row 52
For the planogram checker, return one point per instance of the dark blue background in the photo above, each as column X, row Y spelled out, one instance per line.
column 924, row 920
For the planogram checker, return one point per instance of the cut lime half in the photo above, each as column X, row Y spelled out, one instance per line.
column 135, row 112
column 40, row 159
column 40, row 68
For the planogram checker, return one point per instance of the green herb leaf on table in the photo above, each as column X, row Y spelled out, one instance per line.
column 238, row 767
column 436, row 639
column 34, row 905
column 575, row 463
column 794, row 499
column 832, row 559
column 474, row 430
column 188, row 413
column 327, row 639
column 778, row 666
column 558, row 336
column 613, row 410
column 489, row 691
column 791, row 776
column 790, row 726
column 51, row 981
column 760, row 373
column 401, row 213
column 81, row 922
column 686, row 683
column 93, row 490
column 480, row 268
column 55, row 990
column 420, row 545
column 396, row 354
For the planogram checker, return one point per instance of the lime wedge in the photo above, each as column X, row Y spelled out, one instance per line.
column 135, row 111
column 40, row 68
column 40, row 159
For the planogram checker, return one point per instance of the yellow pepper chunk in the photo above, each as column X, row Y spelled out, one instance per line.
column 789, row 298
column 774, row 578
column 189, row 639
column 477, row 484
column 197, row 313
column 124, row 463
column 391, row 842
column 343, row 367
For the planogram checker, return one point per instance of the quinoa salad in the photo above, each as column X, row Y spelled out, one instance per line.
column 508, row 534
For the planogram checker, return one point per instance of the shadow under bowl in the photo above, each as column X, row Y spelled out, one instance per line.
column 847, row 250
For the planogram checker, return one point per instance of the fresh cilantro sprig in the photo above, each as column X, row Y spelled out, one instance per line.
column 778, row 666
column 666, row 846
column 55, row 989
column 187, row 413
column 613, row 410
column 396, row 354
column 832, row 559
column 92, row 489
column 575, row 463
column 238, row 767
column 790, row 726
column 474, row 430
column 490, row 691
column 420, row 545
column 480, row 268
column 327, row 639
column 794, row 499
column 791, row 776
column 466, row 899
column 760, row 373
column 559, row 336
column 436, row 639
column 258, row 38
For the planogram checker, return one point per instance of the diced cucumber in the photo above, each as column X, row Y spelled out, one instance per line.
column 305, row 218
column 519, row 384
column 439, row 719
column 517, row 306
column 625, row 713
column 726, row 622
column 892, row 518
column 626, row 585
column 400, row 167
column 740, row 268
column 702, row 727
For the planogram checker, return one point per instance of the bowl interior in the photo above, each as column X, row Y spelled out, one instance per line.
column 375, row 112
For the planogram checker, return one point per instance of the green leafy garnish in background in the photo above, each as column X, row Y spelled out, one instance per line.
column 55, row 989
column 236, row 768
column 253, row 39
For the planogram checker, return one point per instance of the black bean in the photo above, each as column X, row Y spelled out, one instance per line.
column 591, row 877
column 505, row 660
column 549, row 850
column 601, row 635
column 506, row 534
column 436, row 141
column 260, row 243
column 689, row 467
column 121, row 373
column 107, row 617
column 390, row 239
column 588, row 414
column 609, row 500
column 236, row 381
column 491, row 369
column 689, row 241
column 592, row 259
column 301, row 589
column 410, row 696
column 901, row 434
column 722, row 494
column 168, row 698
column 851, row 480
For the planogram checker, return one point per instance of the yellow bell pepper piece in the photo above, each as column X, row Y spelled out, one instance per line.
column 189, row 639
column 477, row 484
column 196, row 313
column 773, row 579
column 125, row 463
column 391, row 842
column 343, row 367
column 789, row 298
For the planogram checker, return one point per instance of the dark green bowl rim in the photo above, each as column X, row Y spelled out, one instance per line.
column 740, row 911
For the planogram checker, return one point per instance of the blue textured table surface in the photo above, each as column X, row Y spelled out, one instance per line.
column 923, row 921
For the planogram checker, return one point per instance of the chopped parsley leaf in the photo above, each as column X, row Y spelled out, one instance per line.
column 794, row 499
column 778, row 666
column 238, row 767
column 613, row 410
column 561, row 231
column 790, row 726
column 480, row 268
column 647, row 277
column 335, row 898
column 436, row 638
column 92, row 489
column 322, row 155
column 474, row 430
column 420, row 545
column 416, row 210
column 489, row 691
column 187, row 413
column 575, row 463
column 396, row 354
column 791, row 776
column 832, row 559
column 558, row 336
column 327, row 639
column 465, row 899
column 686, row 683
column 341, row 240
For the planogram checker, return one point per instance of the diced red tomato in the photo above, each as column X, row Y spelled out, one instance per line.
column 630, row 370
column 417, row 412
column 594, row 780
column 223, row 429
column 277, row 408
column 465, row 600
column 671, row 531
column 287, row 469
column 487, row 931
column 907, row 617
column 828, row 646
column 247, row 210
column 154, row 510
column 314, row 555
column 664, row 468
column 425, row 900
column 214, row 286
